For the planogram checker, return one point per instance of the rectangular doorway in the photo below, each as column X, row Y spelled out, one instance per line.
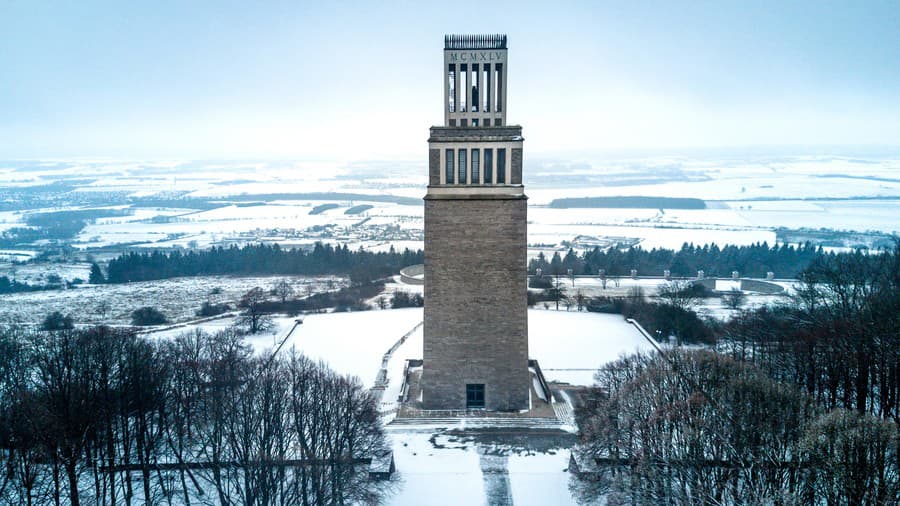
column 475, row 396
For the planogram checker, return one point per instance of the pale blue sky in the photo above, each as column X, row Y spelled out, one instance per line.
column 342, row 80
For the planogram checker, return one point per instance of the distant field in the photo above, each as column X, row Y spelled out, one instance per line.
column 177, row 298
column 658, row 201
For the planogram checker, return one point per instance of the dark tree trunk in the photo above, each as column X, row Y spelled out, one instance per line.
column 73, row 482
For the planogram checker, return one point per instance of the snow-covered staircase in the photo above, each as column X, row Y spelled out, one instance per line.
column 544, row 423
column 564, row 414
column 562, row 408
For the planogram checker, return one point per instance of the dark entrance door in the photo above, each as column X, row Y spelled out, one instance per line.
column 475, row 396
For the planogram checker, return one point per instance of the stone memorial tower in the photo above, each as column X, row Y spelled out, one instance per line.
column 476, row 327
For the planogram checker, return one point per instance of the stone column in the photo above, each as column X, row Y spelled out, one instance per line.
column 468, row 89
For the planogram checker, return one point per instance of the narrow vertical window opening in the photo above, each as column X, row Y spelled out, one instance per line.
column 498, row 104
column 476, row 169
column 448, row 166
column 501, row 165
column 462, row 166
column 476, row 87
column 451, row 88
column 463, row 86
column 487, row 87
column 488, row 166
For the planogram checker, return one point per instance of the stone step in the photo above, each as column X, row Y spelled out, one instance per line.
column 480, row 422
column 564, row 413
column 562, row 408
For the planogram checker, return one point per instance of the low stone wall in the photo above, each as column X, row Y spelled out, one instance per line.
column 755, row 285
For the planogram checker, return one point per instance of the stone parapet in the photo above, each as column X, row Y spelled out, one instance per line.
column 475, row 134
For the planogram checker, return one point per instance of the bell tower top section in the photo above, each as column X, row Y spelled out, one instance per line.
column 475, row 69
column 475, row 153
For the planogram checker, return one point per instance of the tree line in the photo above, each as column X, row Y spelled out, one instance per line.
column 785, row 261
column 840, row 342
column 799, row 404
column 103, row 416
column 322, row 259
column 636, row 202
column 54, row 226
column 12, row 286
column 697, row 427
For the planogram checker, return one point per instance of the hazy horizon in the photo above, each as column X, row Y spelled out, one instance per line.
column 290, row 80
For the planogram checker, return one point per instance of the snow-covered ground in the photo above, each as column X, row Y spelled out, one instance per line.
column 568, row 345
column 444, row 469
column 401, row 226
column 177, row 298
column 351, row 343
column 571, row 346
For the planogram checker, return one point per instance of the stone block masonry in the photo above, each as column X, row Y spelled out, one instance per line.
column 475, row 301
column 434, row 166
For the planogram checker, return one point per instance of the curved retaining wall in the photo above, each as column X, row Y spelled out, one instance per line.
column 413, row 275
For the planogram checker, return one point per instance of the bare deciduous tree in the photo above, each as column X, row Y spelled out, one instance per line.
column 734, row 299
column 253, row 318
column 580, row 300
column 692, row 427
column 679, row 293
column 103, row 416
column 282, row 289
column 695, row 427
column 856, row 458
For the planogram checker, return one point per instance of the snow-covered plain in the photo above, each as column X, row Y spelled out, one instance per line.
column 352, row 343
column 749, row 196
column 177, row 298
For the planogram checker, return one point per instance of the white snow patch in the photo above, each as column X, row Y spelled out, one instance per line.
column 351, row 343
column 540, row 478
column 571, row 346
column 727, row 285
column 445, row 476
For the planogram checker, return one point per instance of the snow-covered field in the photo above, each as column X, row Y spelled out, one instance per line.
column 571, row 346
column 177, row 298
column 748, row 197
column 354, row 343
column 387, row 224
column 568, row 345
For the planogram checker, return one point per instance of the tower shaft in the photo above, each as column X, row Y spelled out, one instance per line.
column 476, row 327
